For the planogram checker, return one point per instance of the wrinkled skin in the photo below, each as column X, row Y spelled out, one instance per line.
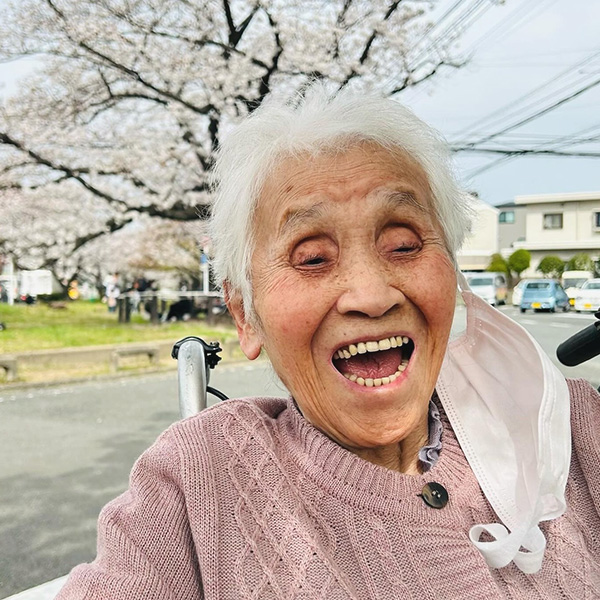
column 349, row 249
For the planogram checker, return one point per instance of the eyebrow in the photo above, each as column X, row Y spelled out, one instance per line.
column 397, row 199
column 295, row 218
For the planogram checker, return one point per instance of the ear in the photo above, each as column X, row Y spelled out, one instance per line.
column 248, row 335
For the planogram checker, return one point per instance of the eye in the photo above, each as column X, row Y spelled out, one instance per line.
column 405, row 248
column 313, row 261
column 313, row 253
column 400, row 239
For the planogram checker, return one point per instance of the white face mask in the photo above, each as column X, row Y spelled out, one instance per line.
column 509, row 407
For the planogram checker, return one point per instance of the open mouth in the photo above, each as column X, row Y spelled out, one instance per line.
column 374, row 363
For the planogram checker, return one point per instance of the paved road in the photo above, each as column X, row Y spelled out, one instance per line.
column 66, row 451
column 550, row 329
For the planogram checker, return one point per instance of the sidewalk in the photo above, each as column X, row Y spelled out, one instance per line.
column 46, row 591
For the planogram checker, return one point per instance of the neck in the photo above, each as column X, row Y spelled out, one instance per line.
column 402, row 457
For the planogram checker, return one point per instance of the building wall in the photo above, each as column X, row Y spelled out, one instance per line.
column 482, row 241
column 509, row 233
column 579, row 232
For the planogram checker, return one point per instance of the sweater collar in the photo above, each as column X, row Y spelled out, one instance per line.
column 357, row 481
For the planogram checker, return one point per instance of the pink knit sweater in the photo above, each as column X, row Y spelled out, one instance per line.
column 248, row 500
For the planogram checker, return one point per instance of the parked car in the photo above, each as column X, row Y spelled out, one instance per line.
column 588, row 296
column 489, row 286
column 544, row 294
column 517, row 292
column 572, row 282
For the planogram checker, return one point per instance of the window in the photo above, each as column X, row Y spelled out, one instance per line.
column 538, row 285
column 596, row 216
column 553, row 221
column 507, row 216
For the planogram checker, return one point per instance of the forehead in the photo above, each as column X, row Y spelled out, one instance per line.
column 365, row 169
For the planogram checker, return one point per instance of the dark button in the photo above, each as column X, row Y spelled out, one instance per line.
column 434, row 495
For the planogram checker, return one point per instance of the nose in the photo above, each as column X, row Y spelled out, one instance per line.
column 368, row 291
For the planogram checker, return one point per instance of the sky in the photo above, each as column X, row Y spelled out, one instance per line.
column 524, row 45
column 512, row 49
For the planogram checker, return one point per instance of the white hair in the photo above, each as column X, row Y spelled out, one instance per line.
column 318, row 121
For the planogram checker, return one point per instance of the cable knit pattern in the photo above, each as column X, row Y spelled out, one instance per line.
column 248, row 500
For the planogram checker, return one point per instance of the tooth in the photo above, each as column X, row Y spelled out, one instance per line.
column 360, row 381
column 384, row 344
column 347, row 354
column 377, row 382
column 385, row 380
column 372, row 346
column 393, row 342
column 399, row 340
column 393, row 377
column 346, row 375
column 405, row 361
column 361, row 348
column 401, row 367
column 369, row 382
column 353, row 349
column 405, row 339
column 353, row 377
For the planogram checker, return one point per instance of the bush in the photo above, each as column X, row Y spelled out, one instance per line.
column 580, row 262
column 551, row 266
column 498, row 264
column 519, row 260
column 52, row 297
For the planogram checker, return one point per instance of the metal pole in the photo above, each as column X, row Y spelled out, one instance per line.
column 11, row 281
column 191, row 367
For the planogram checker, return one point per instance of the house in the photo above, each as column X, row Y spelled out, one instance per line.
column 560, row 224
column 482, row 241
column 511, row 226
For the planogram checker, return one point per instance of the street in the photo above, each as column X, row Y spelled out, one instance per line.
column 67, row 450
column 550, row 329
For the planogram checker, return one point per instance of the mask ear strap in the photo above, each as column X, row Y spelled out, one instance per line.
column 461, row 280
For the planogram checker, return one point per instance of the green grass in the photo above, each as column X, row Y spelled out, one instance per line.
column 81, row 323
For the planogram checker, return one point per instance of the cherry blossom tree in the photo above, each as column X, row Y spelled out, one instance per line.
column 132, row 97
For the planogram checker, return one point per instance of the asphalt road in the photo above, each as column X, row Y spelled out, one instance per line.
column 550, row 329
column 65, row 451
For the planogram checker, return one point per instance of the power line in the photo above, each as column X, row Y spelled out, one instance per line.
column 500, row 113
column 557, row 141
column 529, row 151
column 473, row 10
column 539, row 114
column 511, row 22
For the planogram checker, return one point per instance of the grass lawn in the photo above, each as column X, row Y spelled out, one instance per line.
column 82, row 323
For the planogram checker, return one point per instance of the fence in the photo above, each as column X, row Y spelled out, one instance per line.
column 160, row 304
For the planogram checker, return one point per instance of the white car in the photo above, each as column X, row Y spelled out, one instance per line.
column 489, row 286
column 517, row 292
column 588, row 296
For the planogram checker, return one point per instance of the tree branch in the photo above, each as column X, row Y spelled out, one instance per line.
column 367, row 49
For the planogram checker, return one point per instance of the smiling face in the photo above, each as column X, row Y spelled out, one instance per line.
column 354, row 296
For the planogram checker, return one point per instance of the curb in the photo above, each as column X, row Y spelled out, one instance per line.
column 9, row 387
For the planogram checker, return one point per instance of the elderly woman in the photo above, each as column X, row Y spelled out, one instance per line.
column 401, row 466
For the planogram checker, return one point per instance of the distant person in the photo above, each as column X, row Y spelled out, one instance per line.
column 402, row 466
column 113, row 291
